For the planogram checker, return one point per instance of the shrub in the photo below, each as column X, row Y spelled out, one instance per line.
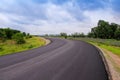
column 1, row 48
column 28, row 36
column 31, row 46
column 19, row 38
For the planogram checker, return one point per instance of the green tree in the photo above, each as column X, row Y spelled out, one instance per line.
column 104, row 30
column 117, row 34
column 28, row 36
column 24, row 34
column 8, row 33
column 113, row 29
column 19, row 38
column 75, row 35
column 78, row 35
column 2, row 35
column 94, row 32
column 63, row 35
column 90, row 35
column 82, row 35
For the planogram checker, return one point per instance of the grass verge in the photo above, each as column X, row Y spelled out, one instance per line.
column 10, row 47
column 113, row 49
column 108, row 44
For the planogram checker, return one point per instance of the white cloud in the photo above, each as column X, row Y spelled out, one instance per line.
column 67, row 18
column 59, row 20
column 101, row 14
column 4, row 18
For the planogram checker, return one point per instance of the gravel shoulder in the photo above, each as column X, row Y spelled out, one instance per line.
column 113, row 63
column 47, row 41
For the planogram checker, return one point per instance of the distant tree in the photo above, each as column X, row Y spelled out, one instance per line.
column 78, row 35
column 46, row 35
column 28, row 36
column 117, row 34
column 24, row 34
column 90, row 35
column 104, row 30
column 8, row 33
column 113, row 29
column 94, row 32
column 2, row 35
column 81, row 35
column 19, row 38
column 75, row 35
column 15, row 31
column 63, row 35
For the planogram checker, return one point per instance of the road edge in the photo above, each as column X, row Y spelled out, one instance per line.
column 102, row 57
column 46, row 44
column 105, row 62
column 47, row 41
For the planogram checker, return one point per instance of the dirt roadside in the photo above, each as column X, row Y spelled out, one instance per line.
column 47, row 41
column 113, row 63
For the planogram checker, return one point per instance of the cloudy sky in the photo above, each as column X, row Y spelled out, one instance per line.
column 55, row 16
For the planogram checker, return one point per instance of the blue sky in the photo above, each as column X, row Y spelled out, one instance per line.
column 55, row 16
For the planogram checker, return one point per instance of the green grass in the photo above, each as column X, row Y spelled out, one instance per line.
column 113, row 49
column 10, row 47
column 109, row 44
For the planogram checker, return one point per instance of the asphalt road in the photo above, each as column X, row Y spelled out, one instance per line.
column 60, row 60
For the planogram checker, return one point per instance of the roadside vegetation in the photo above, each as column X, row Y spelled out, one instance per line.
column 12, row 41
column 105, row 30
column 109, row 44
column 105, row 35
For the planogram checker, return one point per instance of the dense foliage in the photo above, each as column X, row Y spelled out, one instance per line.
column 18, row 36
column 105, row 30
column 77, row 35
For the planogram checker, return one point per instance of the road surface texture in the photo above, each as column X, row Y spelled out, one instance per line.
column 60, row 60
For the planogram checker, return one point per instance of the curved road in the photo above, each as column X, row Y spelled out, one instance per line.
column 60, row 60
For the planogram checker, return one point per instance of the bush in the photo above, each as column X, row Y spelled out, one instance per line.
column 19, row 38
column 28, row 36
column 31, row 46
column 1, row 48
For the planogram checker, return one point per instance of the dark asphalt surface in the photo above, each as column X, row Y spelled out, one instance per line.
column 60, row 60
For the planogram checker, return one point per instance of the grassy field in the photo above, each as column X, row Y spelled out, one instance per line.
column 109, row 44
column 10, row 47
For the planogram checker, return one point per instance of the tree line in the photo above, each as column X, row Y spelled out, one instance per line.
column 11, row 34
column 65, row 35
column 105, row 30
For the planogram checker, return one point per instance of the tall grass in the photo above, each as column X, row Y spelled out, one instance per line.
column 10, row 47
column 109, row 44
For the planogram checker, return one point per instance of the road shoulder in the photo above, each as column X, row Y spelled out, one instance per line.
column 113, row 62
